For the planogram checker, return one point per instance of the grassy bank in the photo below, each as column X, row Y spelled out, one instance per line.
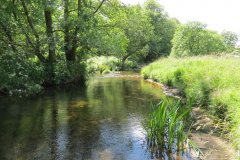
column 208, row 81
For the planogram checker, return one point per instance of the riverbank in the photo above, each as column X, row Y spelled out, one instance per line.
column 204, row 131
column 207, row 138
column 209, row 82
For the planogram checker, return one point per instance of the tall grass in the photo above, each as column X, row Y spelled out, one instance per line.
column 165, row 128
column 208, row 81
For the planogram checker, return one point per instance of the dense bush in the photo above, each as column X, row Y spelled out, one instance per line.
column 211, row 82
column 20, row 76
column 66, row 72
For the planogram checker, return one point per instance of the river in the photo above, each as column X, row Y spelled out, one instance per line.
column 100, row 121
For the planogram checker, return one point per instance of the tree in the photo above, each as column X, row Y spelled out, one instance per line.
column 108, row 36
column 45, row 25
column 138, row 31
column 163, row 30
column 230, row 39
column 51, row 40
column 123, row 31
column 194, row 39
column 49, row 34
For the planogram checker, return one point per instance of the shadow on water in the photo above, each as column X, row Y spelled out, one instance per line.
column 99, row 121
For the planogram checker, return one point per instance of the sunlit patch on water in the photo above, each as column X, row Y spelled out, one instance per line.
column 79, row 104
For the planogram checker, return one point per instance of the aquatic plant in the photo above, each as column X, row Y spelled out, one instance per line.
column 165, row 127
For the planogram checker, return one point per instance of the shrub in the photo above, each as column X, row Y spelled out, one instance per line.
column 102, row 64
column 106, row 64
column 20, row 75
column 69, row 72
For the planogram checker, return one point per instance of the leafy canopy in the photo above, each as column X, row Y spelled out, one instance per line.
column 194, row 39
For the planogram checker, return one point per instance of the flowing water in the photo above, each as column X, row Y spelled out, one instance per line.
column 99, row 121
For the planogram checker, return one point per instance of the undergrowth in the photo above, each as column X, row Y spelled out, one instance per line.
column 106, row 64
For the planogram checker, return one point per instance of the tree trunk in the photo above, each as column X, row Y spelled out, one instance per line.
column 69, row 52
column 70, row 41
column 123, row 63
column 51, row 40
column 125, row 58
column 51, row 45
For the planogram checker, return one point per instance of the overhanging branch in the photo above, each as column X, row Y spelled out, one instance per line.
column 58, row 30
column 99, row 7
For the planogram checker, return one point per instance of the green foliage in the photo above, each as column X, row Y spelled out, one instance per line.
column 124, row 32
column 102, row 64
column 108, row 36
column 23, row 76
column 207, row 81
column 114, row 42
column 165, row 127
column 58, row 36
column 20, row 76
column 163, row 30
column 138, row 31
column 236, row 51
column 106, row 64
column 194, row 39
column 52, row 36
column 230, row 39
column 75, row 72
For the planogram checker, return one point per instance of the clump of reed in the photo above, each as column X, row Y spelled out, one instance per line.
column 165, row 128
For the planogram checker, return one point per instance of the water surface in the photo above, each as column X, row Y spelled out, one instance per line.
column 99, row 121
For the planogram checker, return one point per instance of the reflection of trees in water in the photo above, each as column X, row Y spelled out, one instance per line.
column 21, row 129
column 105, row 97
column 83, row 129
column 54, row 125
column 118, row 95
column 76, row 122
column 115, row 100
